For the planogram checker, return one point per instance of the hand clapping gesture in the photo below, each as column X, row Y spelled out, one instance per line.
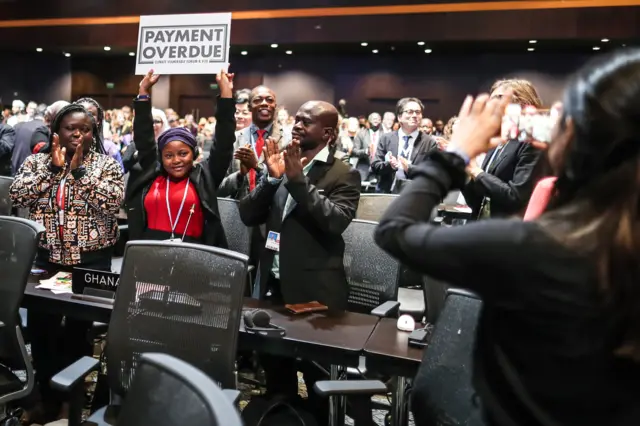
column 225, row 82
column 58, row 155
column 293, row 164
column 248, row 159
column 147, row 83
column 273, row 159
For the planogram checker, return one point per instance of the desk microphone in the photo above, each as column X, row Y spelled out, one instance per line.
column 406, row 323
column 257, row 321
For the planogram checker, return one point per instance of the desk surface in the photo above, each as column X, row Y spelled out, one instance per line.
column 388, row 350
column 342, row 335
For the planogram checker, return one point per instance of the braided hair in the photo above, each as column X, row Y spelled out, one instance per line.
column 70, row 109
column 97, row 136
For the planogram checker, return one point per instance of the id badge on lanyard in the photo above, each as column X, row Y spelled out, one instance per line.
column 61, row 199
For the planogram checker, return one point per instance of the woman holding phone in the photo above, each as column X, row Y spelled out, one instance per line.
column 558, row 339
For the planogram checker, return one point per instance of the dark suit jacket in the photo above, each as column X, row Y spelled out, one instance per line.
column 311, row 244
column 508, row 182
column 389, row 143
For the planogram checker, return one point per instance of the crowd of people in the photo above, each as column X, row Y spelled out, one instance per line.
column 558, row 340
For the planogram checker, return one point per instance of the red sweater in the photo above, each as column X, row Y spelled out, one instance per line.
column 155, row 205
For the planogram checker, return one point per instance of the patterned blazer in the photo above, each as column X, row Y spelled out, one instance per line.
column 93, row 196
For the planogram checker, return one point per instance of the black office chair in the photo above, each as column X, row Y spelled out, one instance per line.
column 18, row 244
column 435, row 293
column 167, row 391
column 442, row 391
column 371, row 206
column 237, row 233
column 176, row 298
column 5, row 201
column 371, row 273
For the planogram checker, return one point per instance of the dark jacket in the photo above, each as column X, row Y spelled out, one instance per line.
column 508, row 182
column 205, row 176
column 545, row 341
column 389, row 142
column 311, row 248
column 7, row 142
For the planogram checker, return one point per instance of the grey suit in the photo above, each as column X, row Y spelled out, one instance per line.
column 236, row 185
column 362, row 153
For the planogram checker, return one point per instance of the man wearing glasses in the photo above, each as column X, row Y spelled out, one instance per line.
column 398, row 151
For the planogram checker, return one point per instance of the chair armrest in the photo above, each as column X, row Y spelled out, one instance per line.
column 70, row 377
column 461, row 292
column 327, row 388
column 251, row 268
column 123, row 228
column 232, row 395
column 387, row 309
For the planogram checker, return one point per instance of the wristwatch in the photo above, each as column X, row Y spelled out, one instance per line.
column 143, row 97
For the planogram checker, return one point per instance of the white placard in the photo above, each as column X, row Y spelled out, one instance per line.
column 183, row 44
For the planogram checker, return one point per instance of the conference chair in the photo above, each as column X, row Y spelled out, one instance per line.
column 176, row 298
column 371, row 206
column 5, row 201
column 167, row 391
column 372, row 274
column 435, row 293
column 18, row 244
column 237, row 233
column 442, row 391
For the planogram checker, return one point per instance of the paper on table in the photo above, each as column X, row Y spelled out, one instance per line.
column 58, row 284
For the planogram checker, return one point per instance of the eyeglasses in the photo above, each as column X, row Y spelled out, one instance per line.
column 412, row 112
column 157, row 121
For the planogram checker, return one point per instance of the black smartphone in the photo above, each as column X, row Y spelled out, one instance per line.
column 418, row 338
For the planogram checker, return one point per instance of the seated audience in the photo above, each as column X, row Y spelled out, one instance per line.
column 75, row 193
column 307, row 198
column 177, row 199
column 558, row 339
column 7, row 142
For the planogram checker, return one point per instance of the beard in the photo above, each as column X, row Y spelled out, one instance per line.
column 307, row 144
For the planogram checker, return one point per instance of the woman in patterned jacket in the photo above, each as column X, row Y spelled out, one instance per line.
column 75, row 192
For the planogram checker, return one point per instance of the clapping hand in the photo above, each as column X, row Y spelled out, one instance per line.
column 273, row 159
column 58, row 155
column 147, row 83
column 78, row 156
column 293, row 163
column 225, row 82
column 393, row 161
column 404, row 163
column 247, row 158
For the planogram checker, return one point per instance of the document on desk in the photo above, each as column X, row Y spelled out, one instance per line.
column 58, row 284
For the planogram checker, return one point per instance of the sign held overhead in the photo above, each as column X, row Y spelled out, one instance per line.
column 183, row 44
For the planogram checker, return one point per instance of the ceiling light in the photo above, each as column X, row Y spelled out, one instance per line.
column 132, row 53
column 244, row 53
column 289, row 52
column 531, row 49
column 428, row 50
column 364, row 44
column 39, row 49
column 107, row 48
column 596, row 47
column 274, row 45
column 421, row 43
column 533, row 41
column 374, row 51
column 605, row 40
column 67, row 54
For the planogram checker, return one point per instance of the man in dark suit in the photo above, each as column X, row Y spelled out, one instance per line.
column 364, row 147
column 307, row 200
column 398, row 151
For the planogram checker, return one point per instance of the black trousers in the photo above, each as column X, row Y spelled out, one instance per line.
column 57, row 342
column 282, row 378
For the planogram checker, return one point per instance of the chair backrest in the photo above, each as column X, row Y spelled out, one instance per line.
column 443, row 391
column 435, row 293
column 238, row 234
column 167, row 392
column 5, row 201
column 371, row 273
column 181, row 299
column 18, row 245
column 371, row 206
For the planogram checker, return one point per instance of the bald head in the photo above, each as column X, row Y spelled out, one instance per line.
column 316, row 125
column 262, row 103
column 53, row 109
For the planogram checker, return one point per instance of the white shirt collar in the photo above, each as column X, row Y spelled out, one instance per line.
column 414, row 135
